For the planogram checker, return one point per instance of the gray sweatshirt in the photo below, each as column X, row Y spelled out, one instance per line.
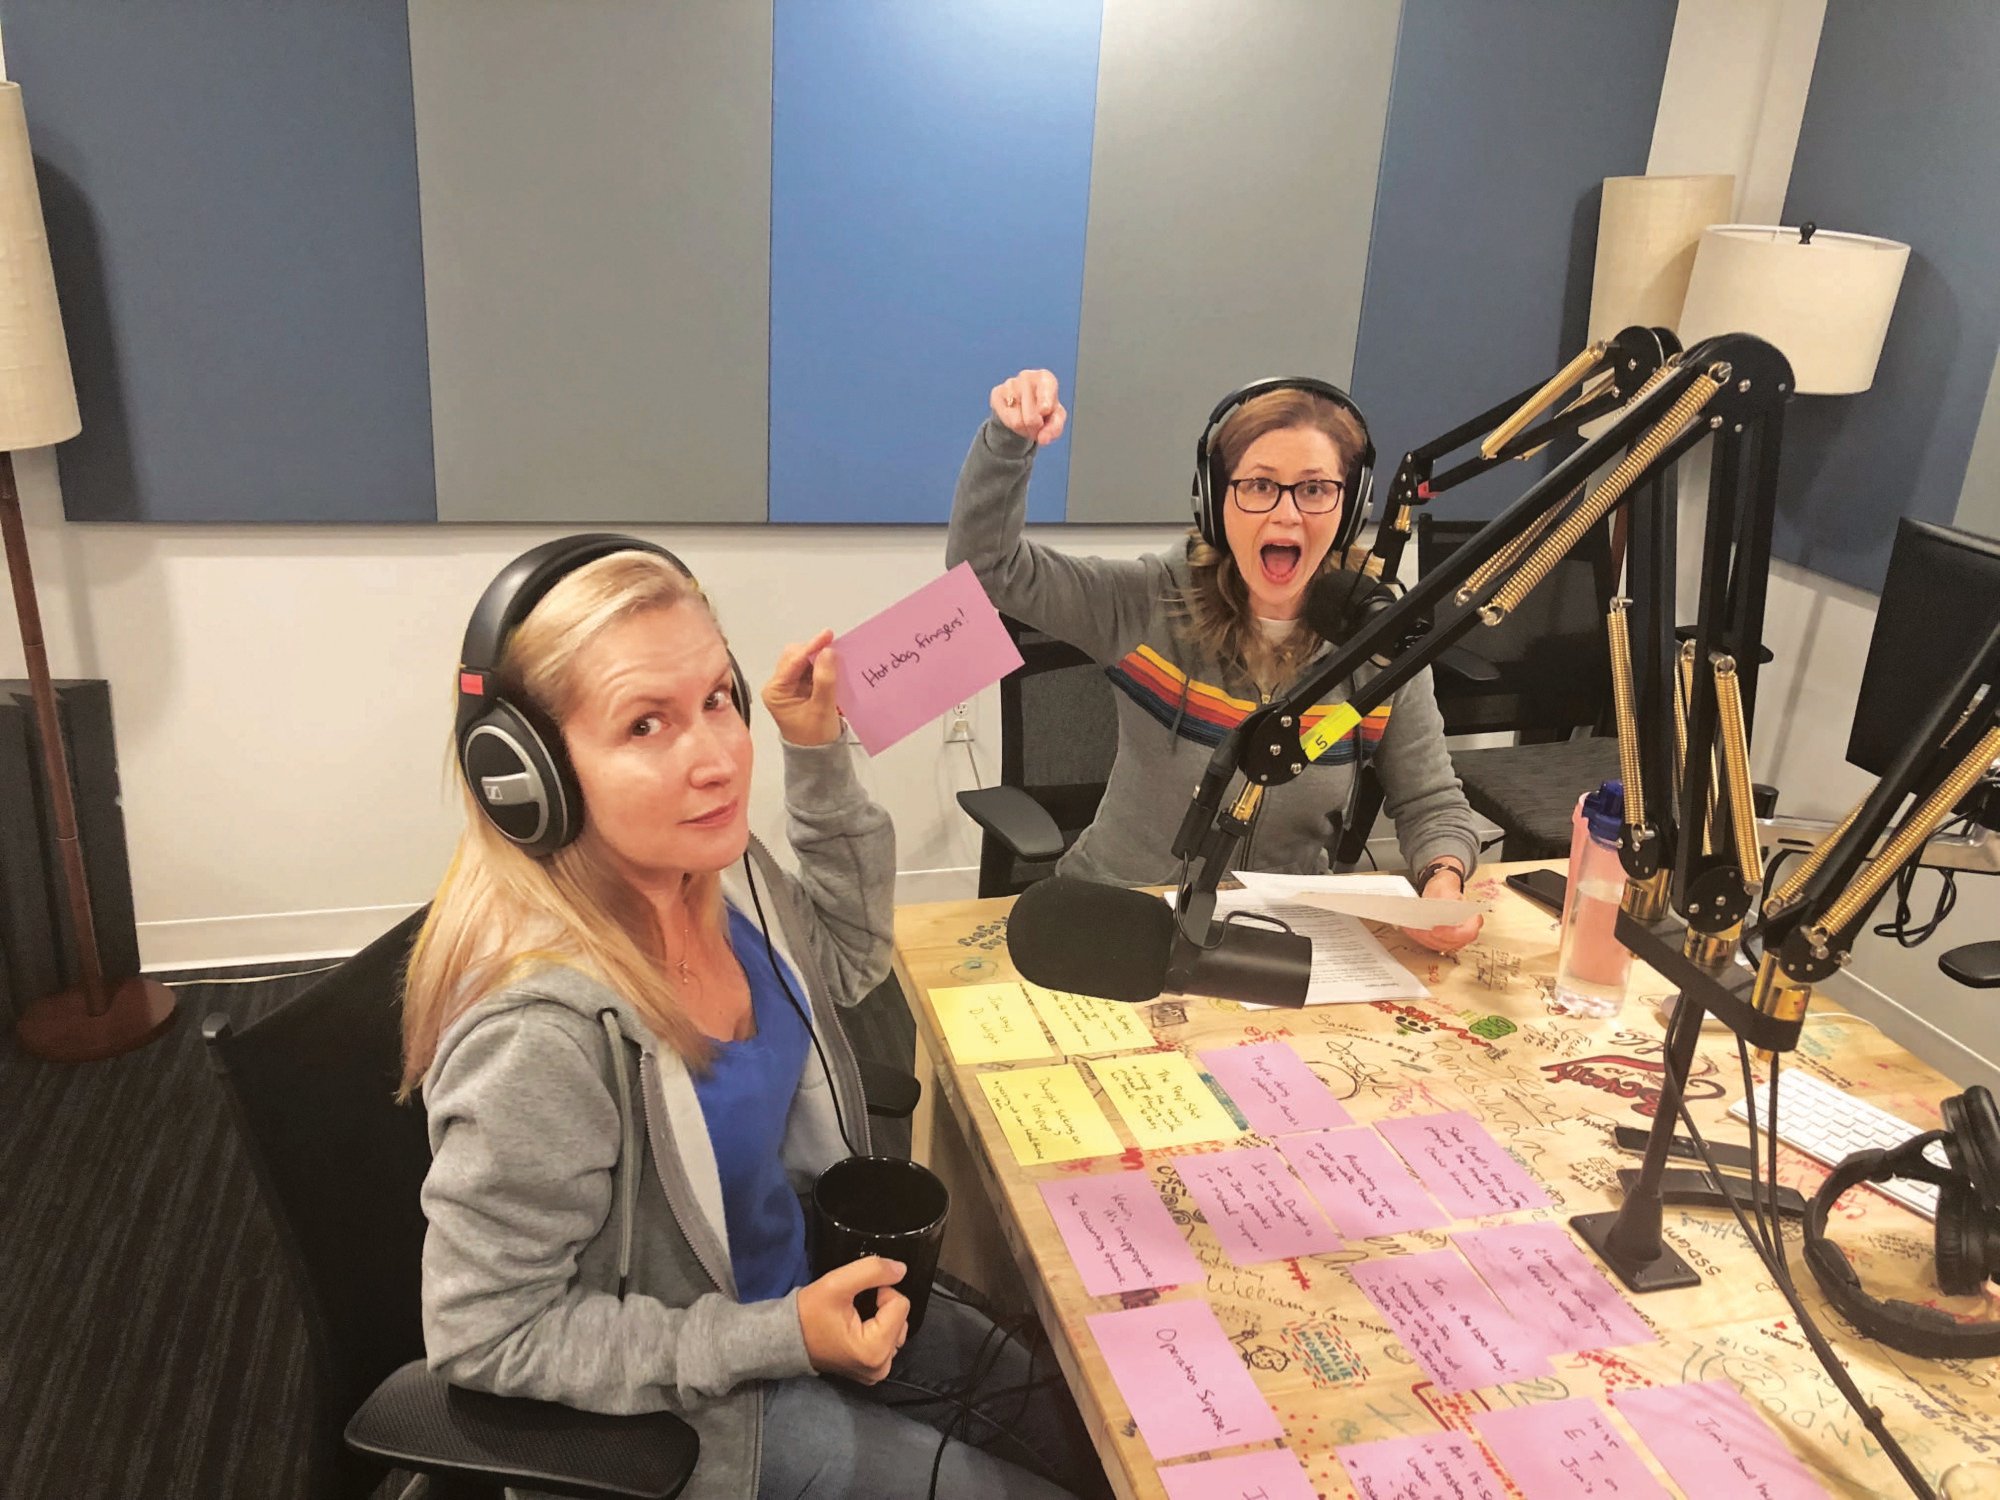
column 1175, row 703
column 564, row 1138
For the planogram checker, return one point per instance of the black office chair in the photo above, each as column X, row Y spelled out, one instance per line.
column 1551, row 676
column 1058, row 737
column 340, row 1165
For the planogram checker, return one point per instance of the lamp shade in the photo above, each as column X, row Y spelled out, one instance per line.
column 1647, row 230
column 37, row 396
column 1825, row 303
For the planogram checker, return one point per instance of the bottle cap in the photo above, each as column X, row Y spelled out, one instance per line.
column 1604, row 811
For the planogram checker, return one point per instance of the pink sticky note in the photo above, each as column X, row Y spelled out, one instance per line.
column 1566, row 1450
column 1119, row 1233
column 1430, row 1466
column 1256, row 1207
column 1183, row 1379
column 1713, row 1442
column 1449, row 1322
column 1548, row 1283
column 1274, row 1088
column 907, row 665
column 1460, row 1162
column 1275, row 1474
column 1362, row 1184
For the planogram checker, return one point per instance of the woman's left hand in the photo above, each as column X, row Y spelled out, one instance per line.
column 1446, row 885
column 800, row 692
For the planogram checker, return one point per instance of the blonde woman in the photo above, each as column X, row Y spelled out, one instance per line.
column 617, row 1013
column 1194, row 640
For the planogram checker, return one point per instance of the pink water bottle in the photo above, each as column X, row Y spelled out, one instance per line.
column 1592, row 965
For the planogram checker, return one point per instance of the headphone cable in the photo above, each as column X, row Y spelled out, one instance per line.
column 812, row 1033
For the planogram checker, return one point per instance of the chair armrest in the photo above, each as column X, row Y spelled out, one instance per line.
column 1976, row 965
column 891, row 1091
column 1016, row 819
column 417, row 1420
column 1457, row 667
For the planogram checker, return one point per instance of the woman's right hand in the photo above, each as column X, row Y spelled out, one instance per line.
column 838, row 1340
column 1027, row 405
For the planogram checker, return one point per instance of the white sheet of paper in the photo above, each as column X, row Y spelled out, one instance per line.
column 1376, row 898
column 1349, row 965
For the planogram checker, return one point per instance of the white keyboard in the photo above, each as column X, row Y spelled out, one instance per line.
column 1829, row 1125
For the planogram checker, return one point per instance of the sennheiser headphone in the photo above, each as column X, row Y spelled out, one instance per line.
column 1967, row 1235
column 510, row 752
column 1210, row 484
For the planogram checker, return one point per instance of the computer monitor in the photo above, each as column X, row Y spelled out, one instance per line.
column 1939, row 604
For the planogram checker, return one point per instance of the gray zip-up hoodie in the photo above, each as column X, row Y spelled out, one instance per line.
column 1175, row 703
column 577, row 1249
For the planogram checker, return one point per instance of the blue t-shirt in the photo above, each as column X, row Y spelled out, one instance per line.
column 746, row 1098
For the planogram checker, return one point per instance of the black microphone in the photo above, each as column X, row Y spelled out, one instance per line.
column 1104, row 940
column 1340, row 603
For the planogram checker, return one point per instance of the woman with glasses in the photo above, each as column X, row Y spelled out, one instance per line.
column 1195, row 639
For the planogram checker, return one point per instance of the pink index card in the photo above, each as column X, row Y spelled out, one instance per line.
column 1119, row 1233
column 1274, row 1088
column 1449, row 1322
column 1183, row 1379
column 1363, row 1185
column 904, row 667
column 1469, row 1172
column 1539, row 1274
column 1713, row 1442
column 1430, row 1466
column 1275, row 1474
column 1566, row 1450
column 1256, row 1207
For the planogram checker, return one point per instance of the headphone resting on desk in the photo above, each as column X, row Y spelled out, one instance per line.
column 1967, row 1239
column 1210, row 484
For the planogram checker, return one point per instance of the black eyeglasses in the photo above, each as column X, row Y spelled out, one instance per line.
column 1313, row 497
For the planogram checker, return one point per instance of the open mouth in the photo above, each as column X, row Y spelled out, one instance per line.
column 1279, row 562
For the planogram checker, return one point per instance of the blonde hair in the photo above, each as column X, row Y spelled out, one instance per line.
column 499, row 911
column 1215, row 604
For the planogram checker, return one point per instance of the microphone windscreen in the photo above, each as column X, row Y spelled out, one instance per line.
column 1338, row 603
column 1091, row 939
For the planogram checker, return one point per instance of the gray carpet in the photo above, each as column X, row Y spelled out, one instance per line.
column 150, row 1342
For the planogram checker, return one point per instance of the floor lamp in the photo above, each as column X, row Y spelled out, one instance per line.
column 37, row 409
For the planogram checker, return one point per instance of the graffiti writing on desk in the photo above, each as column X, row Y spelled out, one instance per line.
column 1634, row 1078
column 1416, row 1021
column 1324, row 1353
column 1495, row 968
column 1259, row 1355
column 986, row 936
column 1168, row 1013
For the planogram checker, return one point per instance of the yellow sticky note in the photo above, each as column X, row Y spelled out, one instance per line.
column 1049, row 1115
column 1083, row 1024
column 1163, row 1099
column 989, row 1023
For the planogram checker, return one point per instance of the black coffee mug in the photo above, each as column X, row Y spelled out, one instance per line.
column 879, row 1205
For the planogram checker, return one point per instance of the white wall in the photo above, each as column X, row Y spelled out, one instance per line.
column 283, row 699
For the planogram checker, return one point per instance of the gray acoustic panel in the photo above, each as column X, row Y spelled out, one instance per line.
column 595, row 181
column 1231, row 198
column 1979, row 501
column 231, row 198
column 1899, row 139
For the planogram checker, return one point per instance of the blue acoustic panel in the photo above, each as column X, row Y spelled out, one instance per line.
column 231, row 194
column 1225, row 242
column 930, row 178
column 1504, row 120
column 1899, row 139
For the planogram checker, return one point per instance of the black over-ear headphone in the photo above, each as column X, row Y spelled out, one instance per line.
column 510, row 753
column 1211, row 484
column 1967, row 1234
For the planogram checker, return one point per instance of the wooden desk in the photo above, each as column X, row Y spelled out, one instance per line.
column 1551, row 1089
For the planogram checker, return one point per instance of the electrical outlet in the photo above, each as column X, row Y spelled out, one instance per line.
column 958, row 724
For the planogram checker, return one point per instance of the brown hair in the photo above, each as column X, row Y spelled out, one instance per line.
column 1216, row 602
column 499, row 911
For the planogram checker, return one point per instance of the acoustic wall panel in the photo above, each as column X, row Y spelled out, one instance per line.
column 1230, row 205
column 930, row 176
column 596, row 204
column 231, row 199
column 1979, row 500
column 1899, row 140
column 1503, row 122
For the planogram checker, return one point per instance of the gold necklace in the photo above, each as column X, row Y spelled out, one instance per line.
column 681, row 963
